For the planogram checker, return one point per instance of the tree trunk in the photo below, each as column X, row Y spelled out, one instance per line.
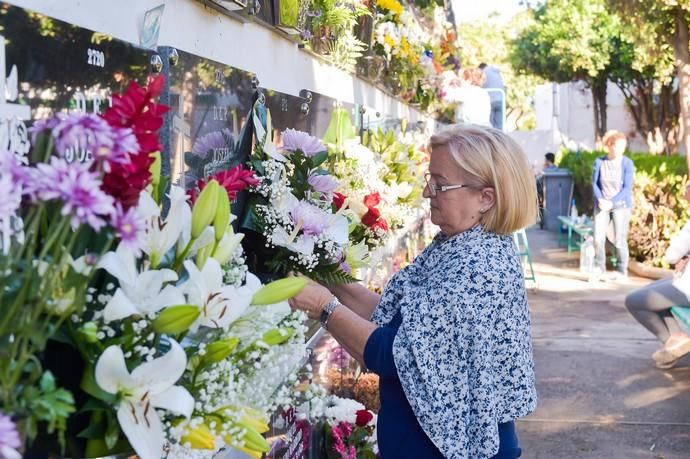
column 682, row 56
column 599, row 102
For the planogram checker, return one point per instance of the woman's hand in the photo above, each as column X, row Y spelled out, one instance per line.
column 682, row 263
column 312, row 299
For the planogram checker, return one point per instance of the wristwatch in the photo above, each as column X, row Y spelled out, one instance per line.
column 327, row 311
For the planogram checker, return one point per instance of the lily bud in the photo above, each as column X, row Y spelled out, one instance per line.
column 204, row 210
column 155, row 168
column 199, row 437
column 89, row 331
column 219, row 350
column 227, row 246
column 279, row 290
column 176, row 319
column 202, row 255
column 278, row 336
column 222, row 218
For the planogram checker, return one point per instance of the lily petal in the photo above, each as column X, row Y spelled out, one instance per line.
column 176, row 399
column 163, row 372
column 145, row 433
column 120, row 264
column 213, row 274
column 119, row 307
column 111, row 371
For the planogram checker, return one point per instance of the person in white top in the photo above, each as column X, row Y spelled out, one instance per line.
column 474, row 105
column 651, row 305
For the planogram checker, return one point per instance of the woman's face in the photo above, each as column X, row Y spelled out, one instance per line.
column 617, row 148
column 459, row 209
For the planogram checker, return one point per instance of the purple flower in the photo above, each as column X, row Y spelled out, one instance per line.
column 322, row 183
column 9, row 438
column 211, row 141
column 294, row 140
column 310, row 218
column 89, row 132
column 78, row 188
column 129, row 227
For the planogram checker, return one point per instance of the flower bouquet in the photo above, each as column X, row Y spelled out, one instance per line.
column 164, row 344
column 57, row 219
column 350, row 430
column 293, row 208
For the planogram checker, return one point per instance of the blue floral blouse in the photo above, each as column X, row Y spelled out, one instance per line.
column 464, row 350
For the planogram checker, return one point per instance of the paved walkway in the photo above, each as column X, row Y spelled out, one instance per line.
column 600, row 396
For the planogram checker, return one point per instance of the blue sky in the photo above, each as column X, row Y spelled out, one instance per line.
column 471, row 10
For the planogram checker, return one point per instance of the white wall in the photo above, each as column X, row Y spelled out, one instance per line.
column 190, row 26
column 575, row 121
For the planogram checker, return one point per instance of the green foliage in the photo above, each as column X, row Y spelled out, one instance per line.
column 567, row 40
column 47, row 403
column 289, row 12
column 659, row 210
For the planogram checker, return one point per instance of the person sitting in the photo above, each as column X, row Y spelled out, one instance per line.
column 450, row 335
column 651, row 305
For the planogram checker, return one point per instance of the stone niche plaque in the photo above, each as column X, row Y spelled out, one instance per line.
column 209, row 104
column 47, row 66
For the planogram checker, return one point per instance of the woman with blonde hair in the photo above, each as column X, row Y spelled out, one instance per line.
column 450, row 337
column 612, row 181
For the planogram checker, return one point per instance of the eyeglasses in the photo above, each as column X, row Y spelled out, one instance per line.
column 434, row 189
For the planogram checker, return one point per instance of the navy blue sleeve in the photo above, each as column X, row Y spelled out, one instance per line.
column 378, row 352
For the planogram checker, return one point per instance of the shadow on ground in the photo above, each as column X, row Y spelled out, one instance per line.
column 600, row 396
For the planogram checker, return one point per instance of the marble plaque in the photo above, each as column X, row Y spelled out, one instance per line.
column 47, row 66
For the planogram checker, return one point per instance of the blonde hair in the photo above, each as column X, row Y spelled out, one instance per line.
column 611, row 137
column 490, row 158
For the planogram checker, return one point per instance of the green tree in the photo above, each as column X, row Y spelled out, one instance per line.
column 657, row 26
column 490, row 42
column 570, row 40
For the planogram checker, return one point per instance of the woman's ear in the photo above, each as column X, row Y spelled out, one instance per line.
column 487, row 198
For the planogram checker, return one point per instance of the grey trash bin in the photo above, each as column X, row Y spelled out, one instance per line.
column 558, row 194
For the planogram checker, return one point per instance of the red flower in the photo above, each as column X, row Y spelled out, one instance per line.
column 233, row 180
column 339, row 200
column 136, row 110
column 381, row 223
column 372, row 200
column 371, row 216
column 364, row 417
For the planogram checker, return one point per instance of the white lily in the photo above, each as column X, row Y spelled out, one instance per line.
column 220, row 304
column 300, row 244
column 227, row 245
column 151, row 385
column 139, row 293
column 357, row 256
column 337, row 229
column 161, row 236
column 262, row 135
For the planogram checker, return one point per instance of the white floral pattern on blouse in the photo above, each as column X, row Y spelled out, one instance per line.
column 464, row 349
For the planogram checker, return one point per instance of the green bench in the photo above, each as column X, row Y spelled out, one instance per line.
column 682, row 313
column 578, row 230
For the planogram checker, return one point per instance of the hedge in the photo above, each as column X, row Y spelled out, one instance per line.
column 659, row 208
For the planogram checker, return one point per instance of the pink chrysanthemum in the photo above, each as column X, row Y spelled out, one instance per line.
column 294, row 140
column 78, row 188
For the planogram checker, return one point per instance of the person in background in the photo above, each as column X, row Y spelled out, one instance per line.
column 651, row 305
column 549, row 165
column 450, row 337
column 612, row 182
column 549, row 161
column 494, row 80
column 475, row 102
